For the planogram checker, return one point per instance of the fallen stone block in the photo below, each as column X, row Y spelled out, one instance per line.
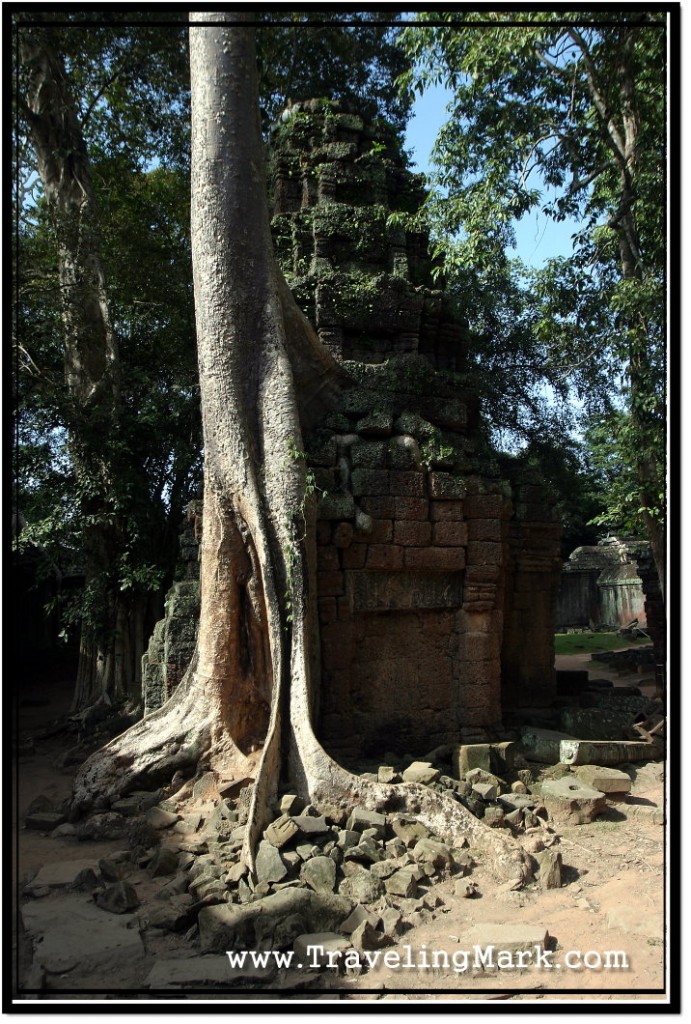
column 409, row 831
column 360, row 819
column 608, row 752
column 281, row 831
column 164, row 862
column 434, row 852
column 320, row 874
column 570, row 801
column 361, row 887
column 310, row 825
column 550, row 862
column 59, row 876
column 356, row 918
column 486, row 791
column 366, row 937
column 422, row 772
column 595, row 723
column 607, row 780
column 542, row 745
column 402, row 883
column 269, row 866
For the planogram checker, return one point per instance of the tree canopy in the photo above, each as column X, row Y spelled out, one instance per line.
column 563, row 113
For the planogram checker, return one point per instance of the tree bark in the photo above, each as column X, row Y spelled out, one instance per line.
column 246, row 704
column 106, row 669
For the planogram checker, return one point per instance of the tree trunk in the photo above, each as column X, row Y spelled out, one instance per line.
column 90, row 357
column 245, row 705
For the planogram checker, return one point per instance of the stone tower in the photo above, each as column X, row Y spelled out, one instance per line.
column 437, row 560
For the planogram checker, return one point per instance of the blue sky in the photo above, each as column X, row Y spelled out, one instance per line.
column 538, row 238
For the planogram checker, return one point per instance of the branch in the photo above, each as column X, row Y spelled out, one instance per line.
column 613, row 134
column 580, row 183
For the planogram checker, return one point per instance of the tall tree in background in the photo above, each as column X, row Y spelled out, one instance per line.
column 570, row 120
column 245, row 705
column 121, row 521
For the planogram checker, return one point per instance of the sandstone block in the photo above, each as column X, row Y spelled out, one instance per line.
column 451, row 534
column 569, row 800
column 606, row 780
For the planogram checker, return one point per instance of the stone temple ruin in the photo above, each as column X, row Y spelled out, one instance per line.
column 438, row 559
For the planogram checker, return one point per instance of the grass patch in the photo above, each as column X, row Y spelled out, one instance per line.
column 593, row 643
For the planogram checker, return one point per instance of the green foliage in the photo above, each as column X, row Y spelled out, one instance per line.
column 567, row 119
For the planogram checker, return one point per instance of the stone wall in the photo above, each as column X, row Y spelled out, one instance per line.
column 601, row 585
column 437, row 561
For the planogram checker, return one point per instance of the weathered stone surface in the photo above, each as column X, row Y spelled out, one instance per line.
column 358, row 917
column 392, row 922
column 366, row 937
column 290, row 804
column 268, row 863
column 118, row 898
column 607, row 752
column 409, row 831
column 569, row 800
column 543, row 745
column 606, row 780
column 486, row 791
column 361, row 887
column 596, row 723
column 107, row 825
column 550, row 862
column 422, row 772
column 385, row 773
column 59, row 875
column 402, row 883
column 432, row 851
column 271, row 923
column 320, row 874
column 360, row 819
column 281, row 831
column 160, row 819
column 173, row 915
column 311, row 825
column 71, row 930
column 164, row 862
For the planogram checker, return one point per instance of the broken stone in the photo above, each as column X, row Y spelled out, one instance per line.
column 85, row 881
column 269, row 866
column 361, row 819
column 205, row 972
column 358, row 917
column 311, row 825
column 66, row 831
column 402, row 883
column 361, row 886
column 392, row 922
column 281, row 831
column 384, row 869
column 366, row 850
column 486, row 791
column 517, row 801
column 514, row 818
column 347, row 838
column 550, row 869
column 164, row 862
column 320, row 874
column 466, row 890
column 237, row 872
column 421, row 771
column 291, row 804
column 434, row 852
column 365, row 937
column 519, row 787
column 60, row 875
column 118, row 898
column 606, row 780
column 175, row 915
column 409, row 831
column 569, row 800
column 160, row 819
column 494, row 816
column 387, row 774
column 205, row 789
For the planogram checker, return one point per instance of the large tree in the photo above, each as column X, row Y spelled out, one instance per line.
column 245, row 705
column 127, row 481
column 566, row 113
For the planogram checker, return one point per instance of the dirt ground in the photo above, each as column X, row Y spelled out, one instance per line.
column 612, row 897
